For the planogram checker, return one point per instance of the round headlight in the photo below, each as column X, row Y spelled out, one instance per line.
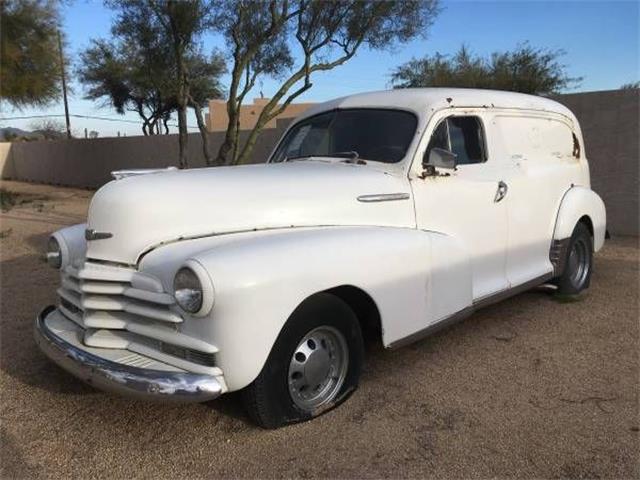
column 187, row 290
column 54, row 253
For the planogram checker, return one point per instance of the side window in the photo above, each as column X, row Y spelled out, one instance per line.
column 440, row 137
column 467, row 139
column 462, row 136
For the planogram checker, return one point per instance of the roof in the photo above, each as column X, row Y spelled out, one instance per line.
column 422, row 100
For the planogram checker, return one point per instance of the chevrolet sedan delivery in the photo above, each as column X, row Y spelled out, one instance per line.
column 381, row 216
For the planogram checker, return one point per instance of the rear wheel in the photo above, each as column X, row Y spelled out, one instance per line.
column 578, row 262
column 313, row 366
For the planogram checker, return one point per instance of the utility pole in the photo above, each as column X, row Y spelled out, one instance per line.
column 64, row 86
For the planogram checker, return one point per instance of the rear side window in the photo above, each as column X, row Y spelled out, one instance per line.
column 463, row 136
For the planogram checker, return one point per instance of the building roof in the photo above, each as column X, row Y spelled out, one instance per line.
column 428, row 100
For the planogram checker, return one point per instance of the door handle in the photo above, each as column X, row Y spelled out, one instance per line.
column 501, row 192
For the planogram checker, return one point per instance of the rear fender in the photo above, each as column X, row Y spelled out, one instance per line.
column 579, row 202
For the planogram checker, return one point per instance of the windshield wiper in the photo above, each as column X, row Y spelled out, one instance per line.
column 351, row 157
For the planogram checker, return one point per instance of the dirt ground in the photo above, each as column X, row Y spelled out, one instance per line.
column 531, row 387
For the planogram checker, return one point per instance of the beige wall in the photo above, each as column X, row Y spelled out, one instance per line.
column 89, row 162
column 609, row 120
column 5, row 157
column 217, row 118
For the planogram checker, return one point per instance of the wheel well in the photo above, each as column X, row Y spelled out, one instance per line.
column 587, row 221
column 365, row 309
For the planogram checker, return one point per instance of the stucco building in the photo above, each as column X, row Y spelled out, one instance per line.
column 217, row 118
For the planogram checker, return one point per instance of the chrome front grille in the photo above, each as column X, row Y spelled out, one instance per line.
column 122, row 308
column 188, row 354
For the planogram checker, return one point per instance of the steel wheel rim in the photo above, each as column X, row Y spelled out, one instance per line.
column 578, row 263
column 318, row 368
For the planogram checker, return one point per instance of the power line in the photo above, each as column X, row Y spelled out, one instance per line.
column 90, row 117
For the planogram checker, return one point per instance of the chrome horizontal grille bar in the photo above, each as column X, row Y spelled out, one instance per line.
column 189, row 354
column 123, row 308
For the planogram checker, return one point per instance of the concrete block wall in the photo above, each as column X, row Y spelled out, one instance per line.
column 611, row 130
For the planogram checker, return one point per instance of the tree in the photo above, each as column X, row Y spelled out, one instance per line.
column 327, row 33
column 183, row 22
column 204, row 84
column 29, row 56
column 50, row 129
column 630, row 86
column 139, row 68
column 525, row 69
column 130, row 75
column 125, row 79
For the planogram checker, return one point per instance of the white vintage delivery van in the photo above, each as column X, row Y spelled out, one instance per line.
column 383, row 215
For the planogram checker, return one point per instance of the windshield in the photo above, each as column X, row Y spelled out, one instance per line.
column 368, row 134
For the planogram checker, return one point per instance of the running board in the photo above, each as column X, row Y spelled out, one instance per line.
column 466, row 312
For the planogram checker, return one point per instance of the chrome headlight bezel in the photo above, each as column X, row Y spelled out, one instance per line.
column 193, row 276
column 55, row 254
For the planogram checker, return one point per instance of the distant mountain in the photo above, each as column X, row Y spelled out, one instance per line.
column 11, row 134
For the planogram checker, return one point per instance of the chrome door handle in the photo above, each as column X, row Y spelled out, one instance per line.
column 501, row 192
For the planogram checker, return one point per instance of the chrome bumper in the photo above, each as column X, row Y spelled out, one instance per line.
column 114, row 377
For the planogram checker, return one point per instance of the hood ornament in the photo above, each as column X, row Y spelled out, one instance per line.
column 91, row 234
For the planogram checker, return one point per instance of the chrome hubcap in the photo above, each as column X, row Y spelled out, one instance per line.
column 578, row 263
column 318, row 368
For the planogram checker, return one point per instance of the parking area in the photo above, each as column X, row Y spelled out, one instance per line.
column 535, row 386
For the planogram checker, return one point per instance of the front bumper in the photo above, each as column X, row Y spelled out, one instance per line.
column 140, row 383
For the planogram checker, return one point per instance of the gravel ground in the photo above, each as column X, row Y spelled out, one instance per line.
column 530, row 387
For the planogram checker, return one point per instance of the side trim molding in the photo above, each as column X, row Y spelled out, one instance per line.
column 383, row 197
column 466, row 312
column 91, row 234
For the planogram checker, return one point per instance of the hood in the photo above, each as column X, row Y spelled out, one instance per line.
column 135, row 214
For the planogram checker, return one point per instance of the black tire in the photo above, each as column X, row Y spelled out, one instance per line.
column 578, row 262
column 268, row 400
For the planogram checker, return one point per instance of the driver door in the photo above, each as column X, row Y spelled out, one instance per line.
column 466, row 203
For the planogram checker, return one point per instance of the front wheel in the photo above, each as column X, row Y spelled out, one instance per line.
column 578, row 262
column 313, row 366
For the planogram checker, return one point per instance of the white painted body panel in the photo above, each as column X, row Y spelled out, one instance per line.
column 260, row 278
column 269, row 236
column 145, row 211
column 461, row 205
column 539, row 167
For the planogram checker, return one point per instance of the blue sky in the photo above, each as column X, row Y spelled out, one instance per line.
column 601, row 40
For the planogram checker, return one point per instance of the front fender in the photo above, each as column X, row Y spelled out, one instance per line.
column 577, row 203
column 414, row 277
column 259, row 282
